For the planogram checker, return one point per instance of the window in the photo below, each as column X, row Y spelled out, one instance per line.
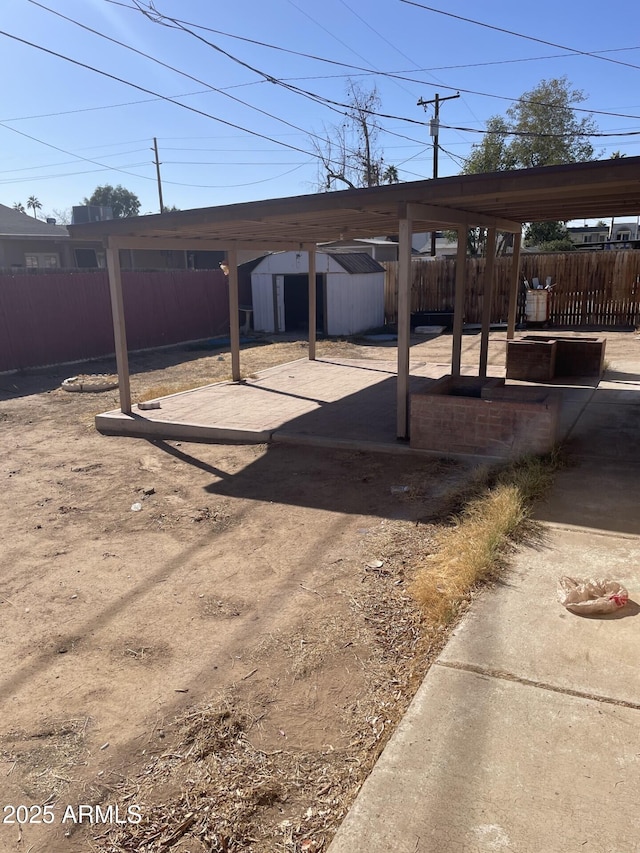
column 41, row 261
column 623, row 235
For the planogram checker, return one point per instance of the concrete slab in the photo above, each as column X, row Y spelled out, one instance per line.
column 608, row 430
column 521, row 628
column 484, row 764
column 596, row 494
column 524, row 735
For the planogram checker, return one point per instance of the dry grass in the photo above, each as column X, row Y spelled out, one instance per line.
column 473, row 550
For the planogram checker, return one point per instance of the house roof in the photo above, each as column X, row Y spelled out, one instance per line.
column 16, row 224
column 356, row 262
column 502, row 199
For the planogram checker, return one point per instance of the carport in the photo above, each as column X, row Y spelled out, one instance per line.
column 500, row 201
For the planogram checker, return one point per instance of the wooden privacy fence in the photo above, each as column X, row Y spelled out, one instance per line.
column 589, row 288
column 50, row 318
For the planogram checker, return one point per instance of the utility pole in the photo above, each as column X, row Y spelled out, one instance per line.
column 434, row 127
column 157, row 164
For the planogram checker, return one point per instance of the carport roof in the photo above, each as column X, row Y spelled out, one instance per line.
column 501, row 199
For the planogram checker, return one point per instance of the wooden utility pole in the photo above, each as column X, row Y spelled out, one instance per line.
column 157, row 164
column 434, row 131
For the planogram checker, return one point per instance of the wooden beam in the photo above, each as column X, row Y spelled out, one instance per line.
column 199, row 244
column 404, row 325
column 311, row 252
column 436, row 214
column 234, row 314
column 458, row 308
column 487, row 298
column 514, row 287
column 119, row 329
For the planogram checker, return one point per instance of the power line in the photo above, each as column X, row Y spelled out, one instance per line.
column 594, row 53
column 520, row 35
column 70, row 153
column 400, row 75
column 535, row 135
column 66, row 162
column 31, row 178
column 166, row 65
column 149, row 92
column 392, row 75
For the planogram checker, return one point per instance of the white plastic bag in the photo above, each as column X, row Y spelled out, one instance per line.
column 586, row 597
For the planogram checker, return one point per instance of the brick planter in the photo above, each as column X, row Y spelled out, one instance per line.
column 531, row 360
column 577, row 356
column 483, row 417
column 534, row 358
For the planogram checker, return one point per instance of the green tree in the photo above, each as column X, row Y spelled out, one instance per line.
column 537, row 233
column 19, row 206
column 540, row 129
column 122, row 202
column 492, row 154
column 34, row 204
column 543, row 128
column 349, row 154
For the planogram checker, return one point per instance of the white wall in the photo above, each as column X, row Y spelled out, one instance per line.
column 355, row 303
column 262, row 298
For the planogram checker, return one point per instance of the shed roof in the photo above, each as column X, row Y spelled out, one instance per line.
column 356, row 262
column 503, row 199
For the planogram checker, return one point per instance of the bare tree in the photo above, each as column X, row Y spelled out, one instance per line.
column 349, row 153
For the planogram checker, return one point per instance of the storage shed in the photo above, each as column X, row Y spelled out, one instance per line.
column 349, row 293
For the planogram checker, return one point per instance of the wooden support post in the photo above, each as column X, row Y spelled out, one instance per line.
column 234, row 314
column 119, row 328
column 313, row 319
column 489, row 267
column 404, row 326
column 514, row 287
column 458, row 307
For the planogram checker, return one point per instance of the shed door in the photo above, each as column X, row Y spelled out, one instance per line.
column 278, row 303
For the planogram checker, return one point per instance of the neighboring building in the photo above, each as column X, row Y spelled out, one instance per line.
column 349, row 295
column 622, row 235
column 378, row 248
column 386, row 248
column 27, row 243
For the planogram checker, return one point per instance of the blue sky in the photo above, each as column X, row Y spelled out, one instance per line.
column 65, row 129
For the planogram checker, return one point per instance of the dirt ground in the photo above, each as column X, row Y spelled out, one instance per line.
column 226, row 669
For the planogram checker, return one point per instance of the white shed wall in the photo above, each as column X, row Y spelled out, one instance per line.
column 355, row 303
column 262, row 297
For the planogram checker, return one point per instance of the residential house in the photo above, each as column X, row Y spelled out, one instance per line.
column 619, row 235
column 27, row 243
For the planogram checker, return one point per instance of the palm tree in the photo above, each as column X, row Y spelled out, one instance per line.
column 19, row 206
column 33, row 203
